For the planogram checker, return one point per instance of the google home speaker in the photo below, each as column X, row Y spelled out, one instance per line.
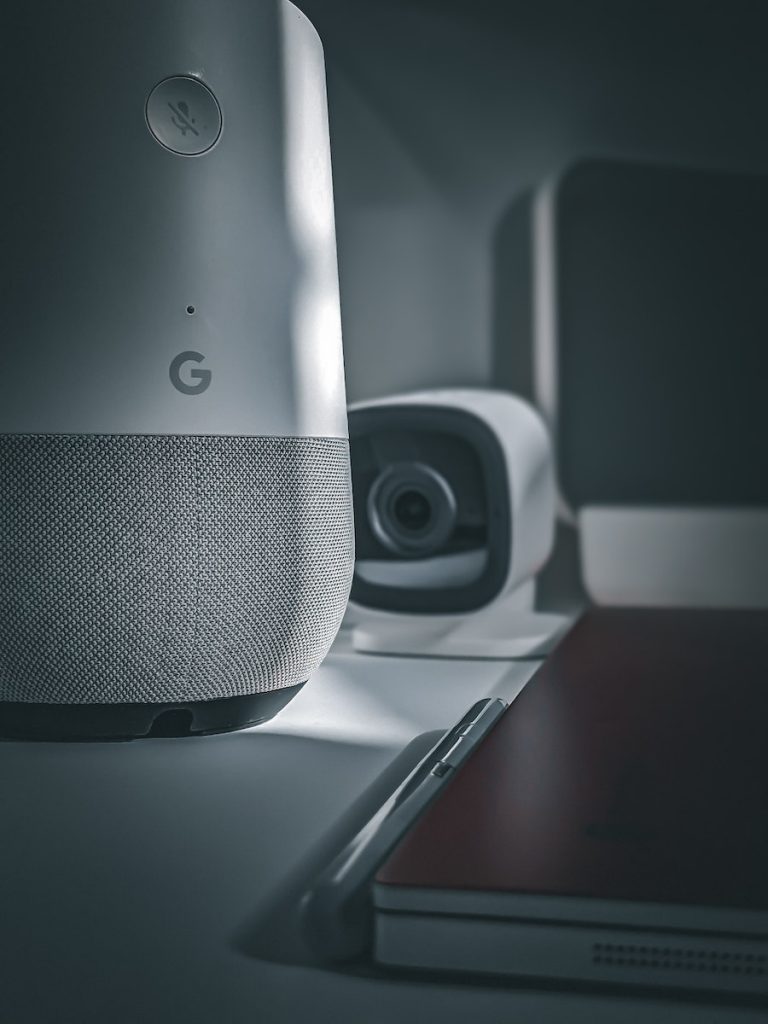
column 176, row 539
column 454, row 501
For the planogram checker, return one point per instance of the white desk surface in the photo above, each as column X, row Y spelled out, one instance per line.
column 138, row 880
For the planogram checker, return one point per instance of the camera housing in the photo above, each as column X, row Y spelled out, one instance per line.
column 454, row 499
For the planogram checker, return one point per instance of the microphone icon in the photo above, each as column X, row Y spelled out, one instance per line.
column 183, row 115
column 185, row 122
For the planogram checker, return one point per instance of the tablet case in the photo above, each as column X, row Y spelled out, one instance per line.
column 612, row 826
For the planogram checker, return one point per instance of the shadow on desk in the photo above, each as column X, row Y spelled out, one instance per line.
column 128, row 861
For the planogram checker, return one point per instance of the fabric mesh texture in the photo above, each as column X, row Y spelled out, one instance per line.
column 169, row 568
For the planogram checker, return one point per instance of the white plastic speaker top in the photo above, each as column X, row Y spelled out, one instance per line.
column 168, row 258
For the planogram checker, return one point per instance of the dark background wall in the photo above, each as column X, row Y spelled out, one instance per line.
column 445, row 112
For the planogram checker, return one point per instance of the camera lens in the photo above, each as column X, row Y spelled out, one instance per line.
column 411, row 509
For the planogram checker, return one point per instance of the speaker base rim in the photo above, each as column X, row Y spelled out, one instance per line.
column 97, row 722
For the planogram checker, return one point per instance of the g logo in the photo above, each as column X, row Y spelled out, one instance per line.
column 202, row 378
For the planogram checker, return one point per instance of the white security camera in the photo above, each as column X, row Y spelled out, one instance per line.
column 454, row 496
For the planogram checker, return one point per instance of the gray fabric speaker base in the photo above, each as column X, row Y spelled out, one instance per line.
column 168, row 569
column 73, row 722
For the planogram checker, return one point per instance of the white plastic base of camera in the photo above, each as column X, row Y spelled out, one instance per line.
column 506, row 629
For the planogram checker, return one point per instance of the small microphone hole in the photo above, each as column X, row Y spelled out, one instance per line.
column 191, row 310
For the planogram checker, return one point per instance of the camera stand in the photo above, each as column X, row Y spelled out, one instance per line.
column 507, row 629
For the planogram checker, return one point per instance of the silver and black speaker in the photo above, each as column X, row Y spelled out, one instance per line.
column 176, row 539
